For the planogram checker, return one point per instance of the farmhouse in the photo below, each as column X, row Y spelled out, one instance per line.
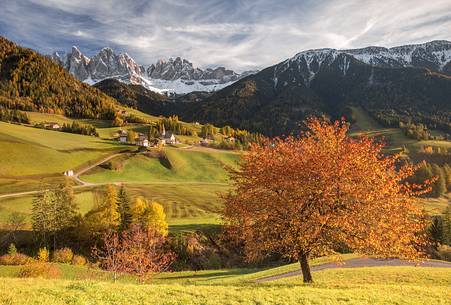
column 123, row 136
column 204, row 142
column 52, row 125
column 69, row 173
column 142, row 140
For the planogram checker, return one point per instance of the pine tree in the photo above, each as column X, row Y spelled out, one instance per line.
column 124, row 209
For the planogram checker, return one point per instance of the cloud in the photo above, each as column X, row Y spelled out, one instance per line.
column 238, row 34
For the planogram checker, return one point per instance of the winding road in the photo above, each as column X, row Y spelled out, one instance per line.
column 358, row 263
column 76, row 177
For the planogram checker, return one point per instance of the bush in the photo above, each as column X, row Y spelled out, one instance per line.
column 444, row 253
column 12, row 249
column 40, row 269
column 78, row 260
column 43, row 255
column 15, row 259
column 63, row 255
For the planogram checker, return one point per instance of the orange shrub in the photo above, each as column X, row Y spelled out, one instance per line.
column 40, row 269
column 15, row 259
column 63, row 255
column 78, row 260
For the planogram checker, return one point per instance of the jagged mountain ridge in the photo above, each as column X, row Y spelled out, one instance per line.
column 434, row 55
column 407, row 81
column 165, row 76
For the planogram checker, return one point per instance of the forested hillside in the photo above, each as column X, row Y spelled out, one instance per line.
column 277, row 99
column 30, row 81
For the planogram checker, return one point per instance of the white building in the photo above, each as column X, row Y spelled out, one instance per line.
column 123, row 136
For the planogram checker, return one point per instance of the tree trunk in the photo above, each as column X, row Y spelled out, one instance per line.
column 305, row 267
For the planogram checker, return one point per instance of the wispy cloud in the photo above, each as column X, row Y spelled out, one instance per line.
column 240, row 34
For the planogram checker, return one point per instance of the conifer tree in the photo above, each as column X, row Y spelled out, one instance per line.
column 43, row 215
column 67, row 208
column 124, row 209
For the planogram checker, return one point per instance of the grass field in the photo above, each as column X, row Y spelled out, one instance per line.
column 175, row 165
column 375, row 285
column 30, row 151
column 395, row 138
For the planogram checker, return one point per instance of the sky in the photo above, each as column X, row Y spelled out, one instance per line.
column 238, row 34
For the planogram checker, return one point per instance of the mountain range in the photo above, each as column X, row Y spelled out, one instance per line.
column 407, row 83
column 175, row 75
column 401, row 83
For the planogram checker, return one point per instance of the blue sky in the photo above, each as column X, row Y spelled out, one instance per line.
column 237, row 34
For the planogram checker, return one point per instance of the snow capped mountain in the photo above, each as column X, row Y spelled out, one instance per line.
column 434, row 55
column 166, row 76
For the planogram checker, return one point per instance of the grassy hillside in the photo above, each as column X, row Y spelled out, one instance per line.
column 172, row 164
column 377, row 285
column 31, row 151
column 394, row 137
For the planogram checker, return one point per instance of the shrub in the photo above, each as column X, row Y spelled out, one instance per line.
column 78, row 260
column 63, row 255
column 43, row 255
column 12, row 249
column 40, row 269
column 444, row 253
column 15, row 259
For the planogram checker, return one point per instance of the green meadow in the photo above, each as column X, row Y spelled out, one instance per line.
column 371, row 285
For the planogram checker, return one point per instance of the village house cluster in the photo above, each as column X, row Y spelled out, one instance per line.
column 141, row 139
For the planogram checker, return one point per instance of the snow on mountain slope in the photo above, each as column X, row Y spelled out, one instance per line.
column 174, row 76
column 434, row 55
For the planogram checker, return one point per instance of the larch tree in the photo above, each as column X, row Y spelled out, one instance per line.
column 124, row 208
column 149, row 215
column 67, row 208
column 105, row 214
column 43, row 215
column 302, row 197
column 156, row 218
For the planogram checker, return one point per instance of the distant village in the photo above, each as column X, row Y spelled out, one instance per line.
column 143, row 140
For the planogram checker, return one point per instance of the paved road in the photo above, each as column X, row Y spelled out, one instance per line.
column 358, row 263
column 77, row 175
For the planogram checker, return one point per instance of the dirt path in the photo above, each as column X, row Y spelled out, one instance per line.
column 358, row 263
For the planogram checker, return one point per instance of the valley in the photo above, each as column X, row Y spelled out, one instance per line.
column 322, row 179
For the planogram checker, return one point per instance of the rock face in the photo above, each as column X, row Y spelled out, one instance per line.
column 178, row 68
column 172, row 76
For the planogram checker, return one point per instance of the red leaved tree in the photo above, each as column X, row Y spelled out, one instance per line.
column 301, row 197
column 140, row 251
column 145, row 252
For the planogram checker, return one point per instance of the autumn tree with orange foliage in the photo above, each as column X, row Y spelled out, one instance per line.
column 301, row 197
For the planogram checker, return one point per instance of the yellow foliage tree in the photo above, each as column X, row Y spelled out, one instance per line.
column 149, row 215
column 105, row 215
